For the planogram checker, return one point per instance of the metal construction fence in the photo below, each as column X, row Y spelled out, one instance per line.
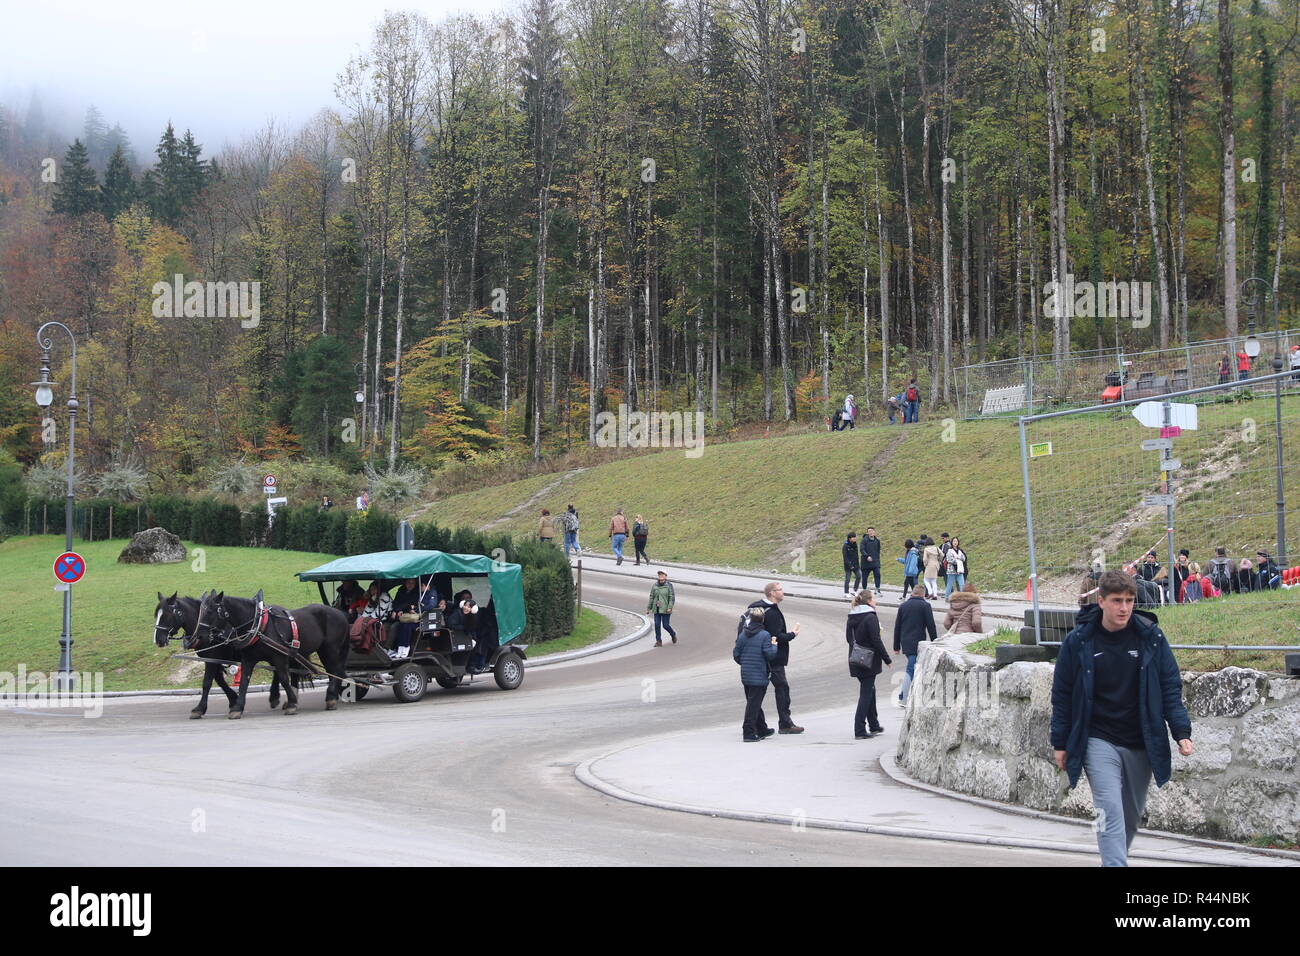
column 1032, row 384
column 1202, row 469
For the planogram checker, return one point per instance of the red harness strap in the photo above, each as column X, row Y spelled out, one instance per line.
column 293, row 627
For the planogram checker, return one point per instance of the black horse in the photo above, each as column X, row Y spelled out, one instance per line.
column 181, row 614
column 261, row 633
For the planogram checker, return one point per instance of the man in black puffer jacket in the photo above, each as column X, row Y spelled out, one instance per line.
column 774, row 624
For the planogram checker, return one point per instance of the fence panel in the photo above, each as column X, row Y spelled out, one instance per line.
column 1101, row 492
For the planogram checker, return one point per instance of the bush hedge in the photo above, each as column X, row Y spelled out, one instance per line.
column 548, row 582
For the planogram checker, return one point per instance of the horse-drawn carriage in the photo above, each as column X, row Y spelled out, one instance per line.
column 441, row 649
column 440, row 645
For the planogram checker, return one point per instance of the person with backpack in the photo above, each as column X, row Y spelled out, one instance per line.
column 1193, row 588
column 662, row 600
column 640, row 532
column 851, row 568
column 569, row 523
column 911, row 562
column 862, row 632
column 912, row 395
column 774, row 624
column 754, row 651
column 871, row 558
column 1115, row 689
column 1221, row 570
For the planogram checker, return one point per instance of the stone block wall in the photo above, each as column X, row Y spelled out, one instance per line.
column 982, row 730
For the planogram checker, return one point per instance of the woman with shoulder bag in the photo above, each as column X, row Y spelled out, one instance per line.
column 866, row 656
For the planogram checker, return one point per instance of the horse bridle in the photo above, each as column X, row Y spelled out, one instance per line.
column 169, row 609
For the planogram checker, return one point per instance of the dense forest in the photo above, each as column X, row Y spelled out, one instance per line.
column 742, row 207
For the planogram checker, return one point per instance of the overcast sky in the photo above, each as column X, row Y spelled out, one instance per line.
column 219, row 68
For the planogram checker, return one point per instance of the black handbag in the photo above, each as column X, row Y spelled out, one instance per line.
column 860, row 656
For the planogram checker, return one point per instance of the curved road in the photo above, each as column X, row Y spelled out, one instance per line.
column 471, row 776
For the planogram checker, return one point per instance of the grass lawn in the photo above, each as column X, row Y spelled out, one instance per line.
column 113, row 605
column 1261, row 618
column 591, row 628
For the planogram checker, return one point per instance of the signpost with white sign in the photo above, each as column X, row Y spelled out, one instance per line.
column 269, row 485
column 1171, row 418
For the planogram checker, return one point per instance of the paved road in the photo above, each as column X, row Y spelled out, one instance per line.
column 472, row 776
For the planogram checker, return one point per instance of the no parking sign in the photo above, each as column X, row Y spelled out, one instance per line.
column 69, row 567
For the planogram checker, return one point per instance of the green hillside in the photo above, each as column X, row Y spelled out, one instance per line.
column 750, row 504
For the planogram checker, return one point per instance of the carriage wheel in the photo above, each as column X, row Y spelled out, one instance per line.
column 409, row 682
column 509, row 671
column 448, row 683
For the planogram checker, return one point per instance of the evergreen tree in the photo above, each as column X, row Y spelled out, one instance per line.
column 77, row 191
column 95, row 136
column 119, row 186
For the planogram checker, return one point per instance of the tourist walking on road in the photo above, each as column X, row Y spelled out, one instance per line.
column 913, row 624
column 754, row 651
column 871, row 558
column 863, row 633
column 851, row 569
column 546, row 528
column 1115, row 689
column 618, row 534
column 965, row 616
column 662, row 599
column 911, row 562
column 774, row 622
column 931, row 557
column 640, row 532
column 954, row 559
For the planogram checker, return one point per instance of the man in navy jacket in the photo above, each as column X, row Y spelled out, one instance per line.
column 1115, row 689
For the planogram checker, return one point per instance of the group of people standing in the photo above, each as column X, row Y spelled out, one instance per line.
column 923, row 560
column 906, row 403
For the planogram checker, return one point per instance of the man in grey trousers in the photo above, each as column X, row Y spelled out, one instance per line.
column 1115, row 689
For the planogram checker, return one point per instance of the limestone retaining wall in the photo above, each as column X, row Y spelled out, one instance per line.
column 978, row 729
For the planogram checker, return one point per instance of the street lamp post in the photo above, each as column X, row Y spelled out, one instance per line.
column 1252, row 349
column 44, row 397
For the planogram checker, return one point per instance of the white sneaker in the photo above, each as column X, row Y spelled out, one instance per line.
column 400, row 653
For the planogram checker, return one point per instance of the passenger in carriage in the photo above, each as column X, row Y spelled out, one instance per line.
column 464, row 613
column 351, row 599
column 406, row 608
column 378, row 604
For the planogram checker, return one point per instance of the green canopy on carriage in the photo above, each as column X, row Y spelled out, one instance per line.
column 505, row 582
